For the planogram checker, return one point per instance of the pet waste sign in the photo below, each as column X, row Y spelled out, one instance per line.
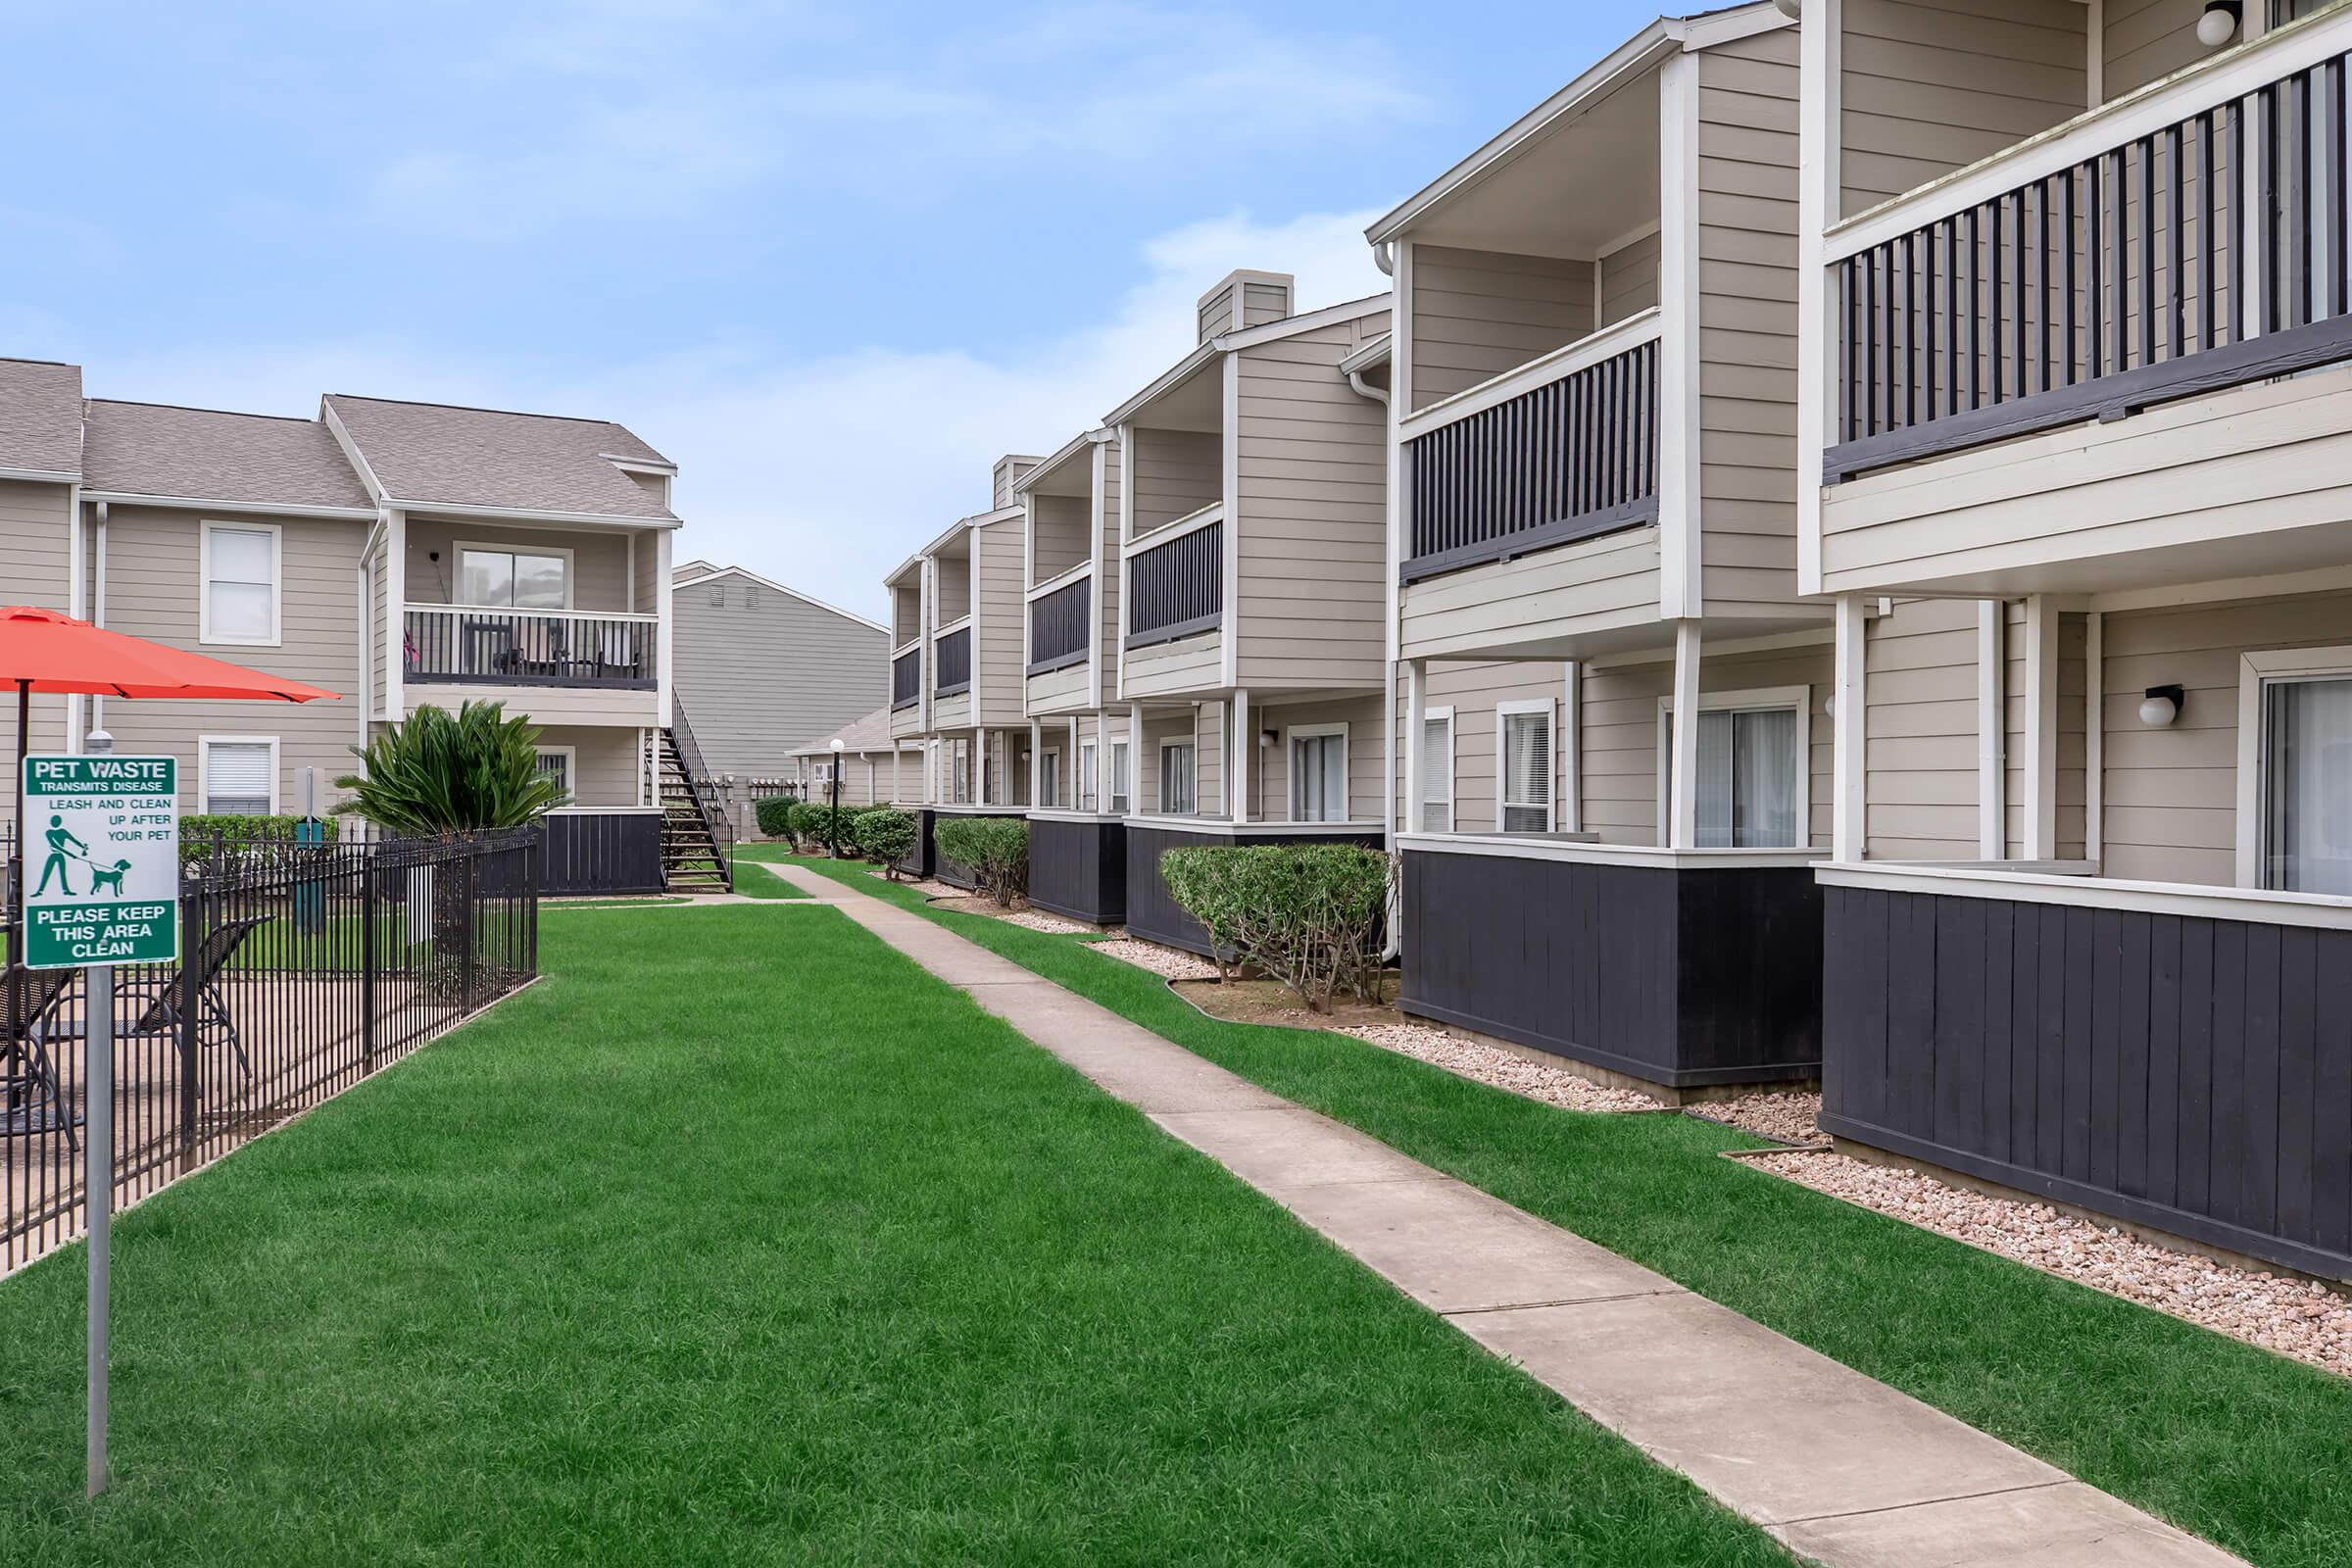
column 100, row 860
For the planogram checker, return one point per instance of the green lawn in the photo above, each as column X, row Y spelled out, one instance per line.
column 2240, row 1445
column 699, row 1254
column 753, row 881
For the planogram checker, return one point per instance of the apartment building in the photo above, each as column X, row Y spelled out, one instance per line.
column 2078, row 370
column 871, row 767
column 1252, row 585
column 761, row 669
column 401, row 553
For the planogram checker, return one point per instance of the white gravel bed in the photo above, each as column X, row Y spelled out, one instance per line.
column 1170, row 963
column 1785, row 1115
column 1555, row 1086
column 1040, row 920
column 2294, row 1317
column 937, row 890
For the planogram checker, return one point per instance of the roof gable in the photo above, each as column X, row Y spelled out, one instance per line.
column 430, row 454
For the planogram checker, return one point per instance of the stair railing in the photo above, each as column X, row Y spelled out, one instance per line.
column 710, row 801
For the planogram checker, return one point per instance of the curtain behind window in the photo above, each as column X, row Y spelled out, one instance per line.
column 1437, row 775
column 1526, row 772
column 2307, row 831
column 1318, row 778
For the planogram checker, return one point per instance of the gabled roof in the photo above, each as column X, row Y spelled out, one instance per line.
column 706, row 572
column 868, row 734
column 40, row 418
column 428, row 454
column 154, row 449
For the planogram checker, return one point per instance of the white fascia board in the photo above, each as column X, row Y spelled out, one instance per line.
column 1083, row 442
column 1730, row 26
column 528, row 515
column 1164, row 382
column 789, row 593
column 1293, row 325
column 40, row 475
column 1372, row 354
column 274, row 509
column 352, row 454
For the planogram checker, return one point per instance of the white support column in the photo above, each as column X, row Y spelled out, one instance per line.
column 1416, row 746
column 1680, row 543
column 1240, row 755
column 1850, row 832
column 396, row 596
column 1135, row 756
column 2041, row 729
column 1037, row 762
column 1572, row 748
column 663, row 688
column 2094, row 741
column 980, row 767
column 1681, row 821
column 1992, row 731
column 1101, row 762
column 1818, row 204
column 1070, row 764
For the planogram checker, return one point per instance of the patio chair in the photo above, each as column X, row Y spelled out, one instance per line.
column 215, row 1025
column 27, row 1074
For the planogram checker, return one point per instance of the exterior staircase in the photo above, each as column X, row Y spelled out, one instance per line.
column 698, row 841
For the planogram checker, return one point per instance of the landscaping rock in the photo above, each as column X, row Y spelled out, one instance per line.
column 1555, row 1086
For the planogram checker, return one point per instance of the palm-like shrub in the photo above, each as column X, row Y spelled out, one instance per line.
column 439, row 774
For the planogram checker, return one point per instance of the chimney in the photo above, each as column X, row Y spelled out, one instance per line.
column 1246, row 299
column 1007, row 473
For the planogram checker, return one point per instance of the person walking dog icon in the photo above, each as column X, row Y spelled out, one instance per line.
column 59, row 837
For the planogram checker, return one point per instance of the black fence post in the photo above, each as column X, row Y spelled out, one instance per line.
column 466, row 913
column 191, row 1060
column 366, row 864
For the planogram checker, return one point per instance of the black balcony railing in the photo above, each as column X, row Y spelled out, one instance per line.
column 1059, row 634
column 953, row 651
column 2207, row 253
column 527, row 648
column 1564, row 461
column 1178, row 588
column 907, row 679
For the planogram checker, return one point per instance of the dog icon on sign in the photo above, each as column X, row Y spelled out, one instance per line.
column 104, row 878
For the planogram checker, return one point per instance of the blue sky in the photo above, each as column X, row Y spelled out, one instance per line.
column 832, row 259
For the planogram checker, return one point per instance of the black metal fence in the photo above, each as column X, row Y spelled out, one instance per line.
column 1177, row 588
column 305, row 967
column 1059, row 633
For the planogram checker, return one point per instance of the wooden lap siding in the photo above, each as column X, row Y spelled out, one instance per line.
column 1079, row 868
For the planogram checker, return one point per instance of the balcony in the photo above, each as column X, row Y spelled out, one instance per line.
column 463, row 644
column 1563, row 447
column 1061, row 632
column 2181, row 241
column 1176, row 586
column 906, row 678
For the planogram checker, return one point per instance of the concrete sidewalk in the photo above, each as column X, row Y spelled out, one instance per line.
column 1839, row 1466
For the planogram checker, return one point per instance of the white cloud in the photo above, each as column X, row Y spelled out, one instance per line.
column 823, row 473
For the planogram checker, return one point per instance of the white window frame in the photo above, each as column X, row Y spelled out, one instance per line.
column 571, row 767
column 2256, row 669
column 204, row 583
column 204, row 767
column 1290, row 767
column 1549, row 707
column 1453, row 754
column 1159, row 777
column 456, row 580
column 1765, row 698
column 1119, row 802
column 1089, row 794
column 1049, row 778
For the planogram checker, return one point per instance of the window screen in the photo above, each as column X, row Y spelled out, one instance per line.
column 1436, row 775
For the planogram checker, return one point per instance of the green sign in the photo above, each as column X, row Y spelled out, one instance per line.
column 100, row 860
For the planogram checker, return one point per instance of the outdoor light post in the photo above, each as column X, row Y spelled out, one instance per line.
column 833, row 817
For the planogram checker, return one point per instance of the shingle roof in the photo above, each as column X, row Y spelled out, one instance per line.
column 868, row 734
column 40, row 415
column 153, row 449
column 427, row 453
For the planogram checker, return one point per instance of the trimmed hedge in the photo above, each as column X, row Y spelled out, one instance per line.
column 234, row 833
column 774, row 814
column 812, row 824
column 995, row 847
column 1308, row 915
column 884, row 834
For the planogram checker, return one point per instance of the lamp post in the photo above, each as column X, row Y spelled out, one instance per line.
column 833, row 817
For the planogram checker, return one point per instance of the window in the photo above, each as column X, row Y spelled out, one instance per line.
column 241, row 569
column 1319, row 773
column 558, row 764
column 237, row 774
column 2304, row 812
column 1178, row 775
column 1118, row 777
column 1523, row 781
column 1088, row 784
column 1437, row 770
column 1048, row 779
column 959, row 772
column 1750, row 770
column 514, row 579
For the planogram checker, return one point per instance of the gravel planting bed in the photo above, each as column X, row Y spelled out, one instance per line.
column 1170, row 963
column 1785, row 1117
column 1040, row 920
column 1555, row 1086
column 2294, row 1317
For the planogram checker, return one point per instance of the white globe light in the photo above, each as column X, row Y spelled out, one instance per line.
column 2158, row 711
column 2218, row 26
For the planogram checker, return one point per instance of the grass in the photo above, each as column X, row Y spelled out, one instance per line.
column 2236, row 1445
column 686, row 1255
column 614, row 903
column 753, row 881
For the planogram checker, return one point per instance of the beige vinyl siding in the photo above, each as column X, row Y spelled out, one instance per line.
column 2247, row 466
column 656, row 487
column 1592, row 586
column 1204, row 724
column 1003, row 477
column 606, row 763
column 383, row 643
column 905, row 614
column 1311, row 520
column 1263, row 303
column 951, row 579
column 1106, row 574
column 1473, row 691
column 600, row 560
column 36, row 543
column 1177, row 473
column 1367, row 743
column 1620, row 733
column 2147, row 40
column 1928, row 87
column 761, row 672
column 950, row 713
column 1215, row 312
column 154, row 590
column 1477, row 313
column 1922, row 784
column 999, row 664
column 546, row 704
column 1629, row 279
column 1747, row 159
column 1059, row 691
column 1057, row 535
column 1185, row 666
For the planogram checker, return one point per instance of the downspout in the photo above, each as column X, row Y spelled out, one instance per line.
column 1384, row 257
column 1392, row 941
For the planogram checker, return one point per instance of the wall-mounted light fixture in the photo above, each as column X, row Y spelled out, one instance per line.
column 2219, row 24
column 2161, row 706
column 1266, row 739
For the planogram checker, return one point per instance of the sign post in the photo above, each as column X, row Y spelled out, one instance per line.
column 104, row 831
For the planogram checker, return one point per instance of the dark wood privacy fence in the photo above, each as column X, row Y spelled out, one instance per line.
column 2208, row 252
column 1060, row 632
column 907, row 679
column 1574, row 457
column 602, row 852
column 1178, row 588
column 2185, row 1073
column 1078, row 867
column 529, row 648
column 954, row 653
